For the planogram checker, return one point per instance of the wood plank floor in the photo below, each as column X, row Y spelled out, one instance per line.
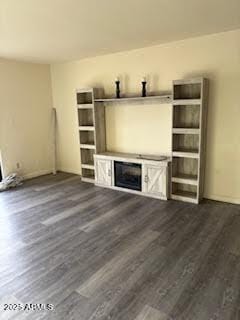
column 96, row 253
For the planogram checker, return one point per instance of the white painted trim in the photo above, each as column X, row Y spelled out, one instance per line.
column 223, row 199
column 67, row 170
column 44, row 172
column 36, row 174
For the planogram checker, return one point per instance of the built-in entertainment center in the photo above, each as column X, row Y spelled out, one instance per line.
column 179, row 176
column 133, row 173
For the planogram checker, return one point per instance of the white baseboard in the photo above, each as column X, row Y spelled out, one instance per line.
column 36, row 174
column 67, row 170
column 223, row 199
column 44, row 172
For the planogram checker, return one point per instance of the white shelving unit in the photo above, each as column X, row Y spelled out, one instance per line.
column 189, row 103
column 91, row 127
column 188, row 139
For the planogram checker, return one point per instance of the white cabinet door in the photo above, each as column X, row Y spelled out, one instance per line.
column 155, row 180
column 104, row 172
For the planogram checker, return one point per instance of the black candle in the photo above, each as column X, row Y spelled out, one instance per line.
column 144, row 90
column 117, row 82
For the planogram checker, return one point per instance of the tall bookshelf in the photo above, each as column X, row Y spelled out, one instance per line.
column 188, row 139
column 91, row 127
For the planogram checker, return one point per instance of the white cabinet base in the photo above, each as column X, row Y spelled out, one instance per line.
column 155, row 175
column 103, row 169
column 155, row 180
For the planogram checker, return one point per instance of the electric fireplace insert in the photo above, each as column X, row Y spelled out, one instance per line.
column 128, row 175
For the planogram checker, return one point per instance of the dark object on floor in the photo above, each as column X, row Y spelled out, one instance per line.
column 11, row 181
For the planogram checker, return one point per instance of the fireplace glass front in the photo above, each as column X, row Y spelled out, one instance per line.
column 128, row 175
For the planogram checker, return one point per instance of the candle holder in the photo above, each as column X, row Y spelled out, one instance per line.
column 144, row 90
column 117, row 82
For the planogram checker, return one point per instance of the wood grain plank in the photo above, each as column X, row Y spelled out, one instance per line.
column 149, row 313
column 88, row 288
column 139, row 257
column 91, row 225
column 69, row 212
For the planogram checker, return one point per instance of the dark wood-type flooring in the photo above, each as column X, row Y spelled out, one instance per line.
column 96, row 253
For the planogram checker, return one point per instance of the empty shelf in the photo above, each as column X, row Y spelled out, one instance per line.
column 90, row 180
column 185, row 196
column 85, row 106
column 88, row 175
column 86, row 128
column 180, row 102
column 88, row 166
column 186, row 130
column 186, row 153
column 185, row 178
column 87, row 146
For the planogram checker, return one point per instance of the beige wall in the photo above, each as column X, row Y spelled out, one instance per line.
column 25, row 116
column 147, row 128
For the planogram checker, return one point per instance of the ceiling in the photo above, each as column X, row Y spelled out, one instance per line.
column 62, row 30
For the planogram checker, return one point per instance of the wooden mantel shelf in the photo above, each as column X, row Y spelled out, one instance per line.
column 161, row 99
column 132, row 157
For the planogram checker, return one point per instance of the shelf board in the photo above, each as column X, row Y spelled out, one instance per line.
column 90, row 163
column 86, row 128
column 186, row 153
column 186, row 130
column 87, row 146
column 198, row 80
column 85, row 106
column 162, row 99
column 84, row 90
column 87, row 179
column 88, row 166
column 181, row 102
column 185, row 178
column 185, row 196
